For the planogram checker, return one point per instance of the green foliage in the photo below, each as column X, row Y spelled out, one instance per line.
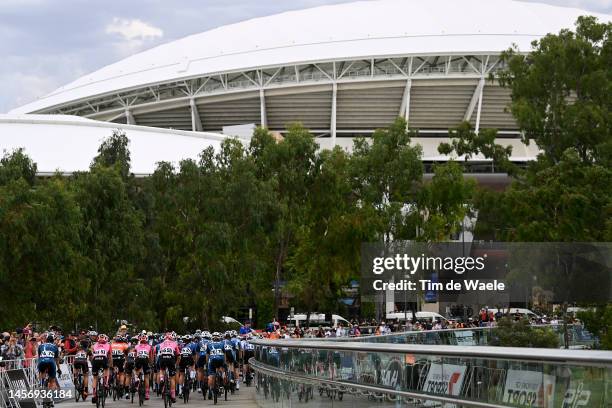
column 511, row 333
column 443, row 203
column 561, row 91
column 16, row 165
column 599, row 322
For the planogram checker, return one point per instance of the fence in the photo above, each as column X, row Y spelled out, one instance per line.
column 19, row 375
column 430, row 375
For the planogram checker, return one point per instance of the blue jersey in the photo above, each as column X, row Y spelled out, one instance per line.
column 203, row 347
column 235, row 343
column 194, row 346
column 216, row 350
column 186, row 351
column 47, row 352
column 245, row 330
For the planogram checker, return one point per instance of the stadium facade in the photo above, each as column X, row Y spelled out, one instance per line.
column 342, row 70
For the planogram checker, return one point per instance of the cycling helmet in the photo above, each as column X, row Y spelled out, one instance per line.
column 134, row 340
column 187, row 338
column 216, row 335
column 118, row 338
column 50, row 337
column 234, row 333
column 102, row 338
column 143, row 338
column 170, row 336
column 93, row 334
column 227, row 335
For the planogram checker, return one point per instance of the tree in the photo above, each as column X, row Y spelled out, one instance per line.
column 511, row 333
column 443, row 203
column 113, row 152
column 289, row 164
column 40, row 260
column 385, row 174
column 599, row 322
column 561, row 91
column 17, row 165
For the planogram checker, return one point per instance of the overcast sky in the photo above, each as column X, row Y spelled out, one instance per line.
column 47, row 43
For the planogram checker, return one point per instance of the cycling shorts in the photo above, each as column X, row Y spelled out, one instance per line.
column 215, row 363
column 185, row 362
column 168, row 363
column 230, row 357
column 201, row 362
column 119, row 362
column 129, row 366
column 98, row 363
column 49, row 367
column 143, row 363
column 81, row 364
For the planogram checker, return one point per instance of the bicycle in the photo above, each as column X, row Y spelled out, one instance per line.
column 100, row 389
column 141, row 389
column 165, row 387
column 218, row 386
column 44, row 384
column 78, row 385
column 186, row 384
column 132, row 388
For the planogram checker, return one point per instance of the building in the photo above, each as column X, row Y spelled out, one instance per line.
column 342, row 70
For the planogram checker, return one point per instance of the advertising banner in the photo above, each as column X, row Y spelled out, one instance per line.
column 444, row 379
column 529, row 389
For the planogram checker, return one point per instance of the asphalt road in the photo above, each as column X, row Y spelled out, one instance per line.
column 244, row 398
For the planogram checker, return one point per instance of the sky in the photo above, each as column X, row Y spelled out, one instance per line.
column 47, row 43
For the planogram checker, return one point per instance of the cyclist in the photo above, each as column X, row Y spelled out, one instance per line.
column 130, row 361
column 144, row 359
column 216, row 360
column 48, row 360
column 202, row 360
column 248, row 351
column 232, row 348
column 187, row 362
column 81, row 357
column 100, row 361
column 118, row 351
column 168, row 354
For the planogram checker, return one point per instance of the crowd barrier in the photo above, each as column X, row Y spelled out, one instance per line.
column 19, row 378
column 355, row 373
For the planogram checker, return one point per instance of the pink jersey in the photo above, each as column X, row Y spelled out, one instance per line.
column 169, row 347
column 101, row 350
column 143, row 350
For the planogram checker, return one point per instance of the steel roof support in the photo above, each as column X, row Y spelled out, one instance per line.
column 333, row 113
column 405, row 106
column 129, row 118
column 479, row 108
column 262, row 108
column 196, row 122
column 475, row 98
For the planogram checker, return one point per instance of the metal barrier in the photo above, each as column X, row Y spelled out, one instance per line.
column 27, row 368
column 430, row 375
column 577, row 336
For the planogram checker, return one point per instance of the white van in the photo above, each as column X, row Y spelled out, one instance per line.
column 429, row 316
column 317, row 318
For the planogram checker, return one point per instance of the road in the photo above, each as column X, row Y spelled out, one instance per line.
column 244, row 398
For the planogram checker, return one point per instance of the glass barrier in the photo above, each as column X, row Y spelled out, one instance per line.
column 421, row 375
column 577, row 337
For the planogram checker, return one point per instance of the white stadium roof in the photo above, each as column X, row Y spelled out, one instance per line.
column 69, row 143
column 352, row 30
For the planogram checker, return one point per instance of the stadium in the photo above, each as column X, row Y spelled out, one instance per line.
column 341, row 70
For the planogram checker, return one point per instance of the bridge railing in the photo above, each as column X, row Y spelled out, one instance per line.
column 430, row 375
